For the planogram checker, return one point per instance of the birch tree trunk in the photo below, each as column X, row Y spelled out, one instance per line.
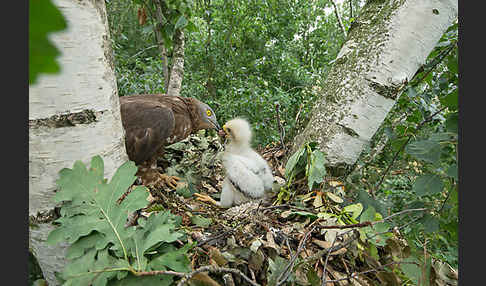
column 386, row 45
column 177, row 70
column 73, row 115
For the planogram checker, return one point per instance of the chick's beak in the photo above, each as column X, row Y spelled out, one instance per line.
column 222, row 131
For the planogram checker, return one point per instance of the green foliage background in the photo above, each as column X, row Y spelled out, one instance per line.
column 258, row 53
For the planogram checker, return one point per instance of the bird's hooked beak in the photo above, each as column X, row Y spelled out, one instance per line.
column 215, row 125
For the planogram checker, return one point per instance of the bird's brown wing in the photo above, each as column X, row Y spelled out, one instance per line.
column 147, row 125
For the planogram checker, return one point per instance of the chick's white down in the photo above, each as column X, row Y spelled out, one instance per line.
column 248, row 175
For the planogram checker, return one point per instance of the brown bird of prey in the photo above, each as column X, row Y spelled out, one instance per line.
column 152, row 121
column 248, row 175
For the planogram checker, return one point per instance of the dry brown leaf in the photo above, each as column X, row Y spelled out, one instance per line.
column 216, row 255
column 334, row 197
column 321, row 243
column 318, row 200
column 281, row 170
column 326, row 244
column 270, row 242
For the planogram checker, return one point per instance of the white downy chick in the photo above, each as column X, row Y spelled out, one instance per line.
column 248, row 175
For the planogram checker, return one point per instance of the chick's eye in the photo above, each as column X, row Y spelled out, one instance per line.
column 208, row 112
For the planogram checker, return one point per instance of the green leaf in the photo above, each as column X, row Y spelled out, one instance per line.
column 131, row 280
column 325, row 216
column 451, row 122
column 396, row 144
column 44, row 18
column 201, row 221
column 412, row 271
column 163, row 233
column 94, row 220
column 428, row 184
column 431, row 223
column 381, row 227
column 450, row 100
column 181, row 22
column 158, row 228
column 427, row 150
column 366, row 200
column 368, row 215
column 175, row 259
column 292, row 162
column 452, row 64
column 167, row 32
column 99, row 261
column 312, row 277
column 374, row 252
column 317, row 170
column 82, row 245
column 191, row 27
column 452, row 171
column 275, row 268
column 354, row 209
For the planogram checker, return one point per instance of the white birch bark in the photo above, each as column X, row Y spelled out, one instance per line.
column 177, row 70
column 85, row 92
column 385, row 47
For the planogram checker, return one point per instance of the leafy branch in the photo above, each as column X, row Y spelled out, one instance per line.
column 402, row 147
column 101, row 247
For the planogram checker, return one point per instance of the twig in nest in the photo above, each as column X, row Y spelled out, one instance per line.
column 355, row 275
column 335, row 248
column 363, row 224
column 290, row 207
column 325, row 262
column 211, row 268
column 346, row 268
column 286, row 273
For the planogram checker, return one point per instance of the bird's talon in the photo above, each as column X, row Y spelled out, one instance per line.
column 205, row 198
column 170, row 181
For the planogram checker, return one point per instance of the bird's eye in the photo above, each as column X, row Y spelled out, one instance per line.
column 208, row 112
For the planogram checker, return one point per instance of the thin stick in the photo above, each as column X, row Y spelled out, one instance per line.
column 335, row 248
column 369, row 223
column 286, row 273
column 325, row 262
column 142, row 51
column 339, row 18
column 211, row 268
column 355, row 275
